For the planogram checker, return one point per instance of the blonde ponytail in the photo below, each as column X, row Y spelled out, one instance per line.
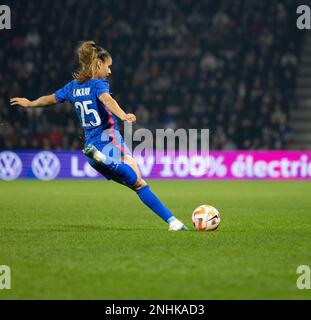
column 87, row 52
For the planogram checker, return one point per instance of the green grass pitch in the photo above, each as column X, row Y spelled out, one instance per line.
column 95, row 240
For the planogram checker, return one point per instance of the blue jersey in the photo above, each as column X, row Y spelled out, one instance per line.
column 93, row 115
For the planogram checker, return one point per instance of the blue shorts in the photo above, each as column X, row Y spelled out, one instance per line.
column 110, row 143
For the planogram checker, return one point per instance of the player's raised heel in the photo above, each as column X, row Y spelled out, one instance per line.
column 177, row 225
column 91, row 152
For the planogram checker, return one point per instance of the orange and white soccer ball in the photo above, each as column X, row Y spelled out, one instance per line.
column 205, row 218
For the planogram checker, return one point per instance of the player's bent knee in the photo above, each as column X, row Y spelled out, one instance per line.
column 139, row 184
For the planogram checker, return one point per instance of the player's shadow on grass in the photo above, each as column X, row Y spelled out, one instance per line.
column 87, row 228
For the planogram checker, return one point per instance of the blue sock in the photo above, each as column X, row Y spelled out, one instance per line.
column 152, row 201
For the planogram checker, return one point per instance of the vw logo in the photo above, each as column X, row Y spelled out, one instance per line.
column 45, row 165
column 10, row 165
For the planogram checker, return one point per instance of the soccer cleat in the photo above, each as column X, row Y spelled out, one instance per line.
column 177, row 225
column 91, row 152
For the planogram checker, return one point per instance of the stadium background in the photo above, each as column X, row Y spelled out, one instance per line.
column 230, row 66
column 238, row 67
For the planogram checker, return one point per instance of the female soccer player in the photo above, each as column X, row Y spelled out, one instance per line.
column 97, row 111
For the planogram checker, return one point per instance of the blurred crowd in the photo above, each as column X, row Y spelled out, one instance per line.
column 227, row 65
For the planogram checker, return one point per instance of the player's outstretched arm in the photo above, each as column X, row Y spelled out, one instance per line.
column 44, row 101
column 114, row 107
